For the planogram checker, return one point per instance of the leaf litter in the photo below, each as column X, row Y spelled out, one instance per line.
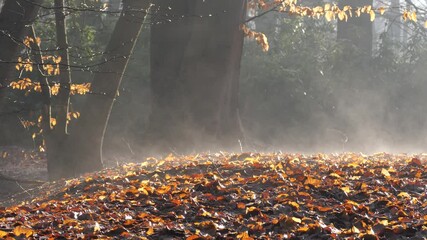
column 234, row 196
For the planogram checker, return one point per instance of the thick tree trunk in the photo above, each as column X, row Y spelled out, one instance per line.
column 170, row 34
column 16, row 17
column 195, row 67
column 84, row 145
column 357, row 31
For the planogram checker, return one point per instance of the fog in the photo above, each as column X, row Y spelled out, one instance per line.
column 310, row 93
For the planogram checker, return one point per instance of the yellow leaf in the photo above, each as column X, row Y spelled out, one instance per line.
column 372, row 15
column 342, row 16
column 58, row 59
column 38, row 41
column 355, row 229
column 346, row 8
column 3, row 234
column 425, row 24
column 381, row 10
column 405, row 15
column 150, row 231
column 297, row 220
column 414, row 16
column 244, row 236
column 385, row 172
column 358, row 12
column 384, row 222
column 53, row 122
column 97, row 227
column 20, row 230
column 329, row 15
column 312, row 181
column 335, row 175
column 346, row 189
column 327, row 7
column 404, row 195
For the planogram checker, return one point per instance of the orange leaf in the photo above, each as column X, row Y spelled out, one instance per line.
column 3, row 234
column 241, row 205
column 150, row 231
column 312, row 181
column 21, row 230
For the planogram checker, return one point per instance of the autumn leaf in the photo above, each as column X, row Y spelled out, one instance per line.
column 385, row 173
column 241, row 205
column 97, row 227
column 244, row 236
column 3, row 234
column 21, row 230
column 329, row 15
column 372, row 15
column 312, row 181
column 198, row 201
column 381, row 10
column 150, row 231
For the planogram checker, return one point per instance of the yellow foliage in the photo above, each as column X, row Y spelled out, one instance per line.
column 372, row 15
column 329, row 11
column 28, row 85
column 25, row 65
column 260, row 38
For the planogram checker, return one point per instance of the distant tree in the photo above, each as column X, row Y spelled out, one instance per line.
column 356, row 31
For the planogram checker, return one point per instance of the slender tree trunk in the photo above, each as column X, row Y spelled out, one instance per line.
column 195, row 76
column 63, row 101
column 45, row 87
column 56, row 138
column 84, row 146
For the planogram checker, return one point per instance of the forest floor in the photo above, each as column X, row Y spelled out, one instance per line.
column 232, row 196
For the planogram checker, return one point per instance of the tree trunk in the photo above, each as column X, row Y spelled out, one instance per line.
column 357, row 31
column 84, row 145
column 195, row 68
column 56, row 138
column 15, row 18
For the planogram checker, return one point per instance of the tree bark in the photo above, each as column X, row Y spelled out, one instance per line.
column 16, row 18
column 84, row 145
column 170, row 34
column 195, row 68
column 56, row 138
